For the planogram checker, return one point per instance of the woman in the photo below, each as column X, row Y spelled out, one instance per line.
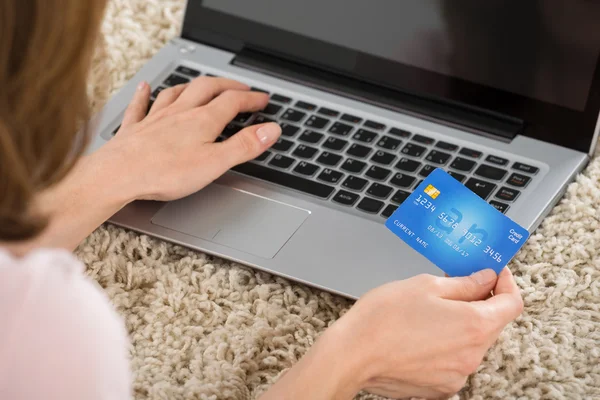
column 419, row 337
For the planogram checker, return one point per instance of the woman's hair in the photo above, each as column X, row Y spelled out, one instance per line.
column 46, row 47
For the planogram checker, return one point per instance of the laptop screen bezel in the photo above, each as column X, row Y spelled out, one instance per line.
column 544, row 121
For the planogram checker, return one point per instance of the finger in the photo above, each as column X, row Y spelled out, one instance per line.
column 248, row 144
column 167, row 97
column 506, row 304
column 202, row 90
column 230, row 103
column 468, row 288
column 136, row 111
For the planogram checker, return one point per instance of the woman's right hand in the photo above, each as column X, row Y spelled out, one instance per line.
column 421, row 337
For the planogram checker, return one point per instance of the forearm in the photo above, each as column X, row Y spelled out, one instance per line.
column 328, row 371
column 92, row 192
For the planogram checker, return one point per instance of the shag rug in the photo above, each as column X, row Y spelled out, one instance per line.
column 204, row 328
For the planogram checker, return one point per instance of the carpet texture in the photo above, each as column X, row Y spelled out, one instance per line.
column 203, row 328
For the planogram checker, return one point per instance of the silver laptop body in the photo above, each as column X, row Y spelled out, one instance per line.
column 300, row 222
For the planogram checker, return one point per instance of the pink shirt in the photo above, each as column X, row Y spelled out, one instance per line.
column 60, row 338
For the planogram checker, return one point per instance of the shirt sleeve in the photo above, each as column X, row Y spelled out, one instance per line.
column 60, row 338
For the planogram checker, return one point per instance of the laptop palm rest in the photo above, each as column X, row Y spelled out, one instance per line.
column 233, row 218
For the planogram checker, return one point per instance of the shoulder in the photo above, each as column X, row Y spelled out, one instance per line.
column 60, row 331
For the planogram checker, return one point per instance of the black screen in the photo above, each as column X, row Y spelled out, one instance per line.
column 545, row 50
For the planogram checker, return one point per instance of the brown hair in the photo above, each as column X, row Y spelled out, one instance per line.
column 46, row 47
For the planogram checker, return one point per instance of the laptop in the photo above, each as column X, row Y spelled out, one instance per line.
column 372, row 97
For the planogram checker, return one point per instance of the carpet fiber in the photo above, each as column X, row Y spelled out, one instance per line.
column 203, row 328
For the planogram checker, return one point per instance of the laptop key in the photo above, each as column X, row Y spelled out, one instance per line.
column 353, row 166
column 157, row 91
column 285, row 179
column 438, row 157
column 150, row 104
column 374, row 125
column 261, row 119
column 379, row 190
column 330, row 159
column 423, row 139
column 173, row 80
column 470, row 152
column 381, row 157
column 489, row 172
column 341, row 129
column 426, row 170
column 230, row 130
column 334, row 144
column 280, row 99
column 116, row 130
column 496, row 160
column 481, row 188
column 187, row 71
column 389, row 210
column 525, row 168
column 306, row 106
column 377, row 173
column 316, row 122
column 328, row 111
column 414, row 150
column 518, row 180
column 446, row 146
column 457, row 176
column 345, row 198
column 499, row 206
column 311, row 136
column 400, row 196
column 462, row 164
column 330, row 176
column 351, row 118
column 305, row 151
column 271, row 109
column 355, row 183
column 281, row 161
column 305, row 168
column 257, row 89
column 370, row 206
column 263, row 156
column 282, row 145
column 242, row 118
column 408, row 165
column 293, row 115
column 389, row 143
column 358, row 150
column 402, row 180
column 399, row 132
column 365, row 136
column 507, row 194
column 288, row 130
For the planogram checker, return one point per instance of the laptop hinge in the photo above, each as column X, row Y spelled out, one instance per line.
column 461, row 116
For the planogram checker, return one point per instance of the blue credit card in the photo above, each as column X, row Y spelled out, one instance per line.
column 454, row 228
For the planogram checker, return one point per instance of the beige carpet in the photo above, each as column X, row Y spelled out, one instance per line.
column 202, row 328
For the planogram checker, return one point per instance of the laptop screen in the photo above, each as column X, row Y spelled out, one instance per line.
column 536, row 49
column 527, row 59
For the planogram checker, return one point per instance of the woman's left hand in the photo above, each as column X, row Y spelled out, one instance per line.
column 171, row 152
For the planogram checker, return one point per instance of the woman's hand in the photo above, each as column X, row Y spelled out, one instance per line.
column 166, row 155
column 171, row 153
column 421, row 337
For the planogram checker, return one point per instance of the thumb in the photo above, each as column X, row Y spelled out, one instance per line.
column 249, row 143
column 469, row 288
column 136, row 111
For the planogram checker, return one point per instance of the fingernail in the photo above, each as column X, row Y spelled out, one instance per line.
column 141, row 85
column 268, row 133
column 485, row 276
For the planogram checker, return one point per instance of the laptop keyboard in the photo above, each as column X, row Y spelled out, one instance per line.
column 359, row 162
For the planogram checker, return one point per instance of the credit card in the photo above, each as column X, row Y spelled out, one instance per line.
column 456, row 229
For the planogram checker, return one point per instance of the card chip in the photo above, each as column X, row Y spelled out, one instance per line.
column 432, row 191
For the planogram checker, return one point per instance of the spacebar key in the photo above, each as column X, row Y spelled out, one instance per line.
column 288, row 180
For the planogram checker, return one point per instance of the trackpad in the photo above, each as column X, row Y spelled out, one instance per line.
column 233, row 218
